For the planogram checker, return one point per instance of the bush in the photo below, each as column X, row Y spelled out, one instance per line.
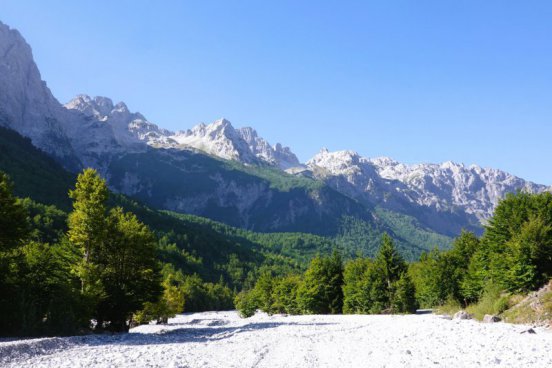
column 493, row 301
column 284, row 295
column 321, row 290
column 246, row 304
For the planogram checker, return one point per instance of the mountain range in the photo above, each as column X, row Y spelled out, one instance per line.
column 235, row 176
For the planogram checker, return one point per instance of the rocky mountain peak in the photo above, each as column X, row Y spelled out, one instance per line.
column 337, row 162
column 443, row 187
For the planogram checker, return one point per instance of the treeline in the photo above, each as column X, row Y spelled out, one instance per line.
column 330, row 286
column 514, row 255
column 97, row 268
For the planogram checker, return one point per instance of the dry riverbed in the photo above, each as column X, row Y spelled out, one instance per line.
column 224, row 340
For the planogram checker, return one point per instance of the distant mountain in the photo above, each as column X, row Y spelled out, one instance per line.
column 28, row 107
column 446, row 197
column 237, row 177
column 219, row 139
column 164, row 169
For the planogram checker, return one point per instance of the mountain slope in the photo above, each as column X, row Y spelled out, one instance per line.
column 36, row 174
column 218, row 139
column 258, row 199
column 236, row 176
column 444, row 197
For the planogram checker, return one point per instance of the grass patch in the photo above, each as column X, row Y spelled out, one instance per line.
column 449, row 308
column 493, row 301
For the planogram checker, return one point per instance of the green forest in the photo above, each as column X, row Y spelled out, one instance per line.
column 102, row 257
column 484, row 275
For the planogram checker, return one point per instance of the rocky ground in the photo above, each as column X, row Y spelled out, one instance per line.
column 224, row 340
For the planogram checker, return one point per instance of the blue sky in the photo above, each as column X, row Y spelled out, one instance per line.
column 419, row 81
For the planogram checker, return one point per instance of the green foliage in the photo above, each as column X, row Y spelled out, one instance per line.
column 44, row 285
column 514, row 255
column 404, row 298
column 390, row 263
column 13, row 217
column 35, row 173
column 354, row 298
column 118, row 267
column 321, row 290
column 271, row 295
column 278, row 179
column 412, row 237
column 442, row 276
column 35, row 278
column 206, row 296
column 517, row 251
column 128, row 269
column 284, row 295
column 449, row 307
column 493, row 302
column 246, row 303
column 88, row 230
column 48, row 223
column 264, row 292
column 381, row 285
column 170, row 302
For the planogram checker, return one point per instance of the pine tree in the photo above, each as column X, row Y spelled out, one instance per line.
column 88, row 229
column 390, row 264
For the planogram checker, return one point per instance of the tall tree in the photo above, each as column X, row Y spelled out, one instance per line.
column 88, row 228
column 354, row 279
column 390, row 263
column 321, row 290
column 129, row 270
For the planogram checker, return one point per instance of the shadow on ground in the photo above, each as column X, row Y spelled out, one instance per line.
column 213, row 331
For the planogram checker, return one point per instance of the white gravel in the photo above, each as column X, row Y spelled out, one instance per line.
column 225, row 340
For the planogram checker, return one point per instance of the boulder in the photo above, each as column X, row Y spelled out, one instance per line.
column 462, row 315
column 489, row 318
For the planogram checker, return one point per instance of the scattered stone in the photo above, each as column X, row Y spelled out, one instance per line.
column 462, row 315
column 489, row 318
column 409, row 352
column 529, row 331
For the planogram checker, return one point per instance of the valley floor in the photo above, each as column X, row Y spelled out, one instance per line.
column 224, row 340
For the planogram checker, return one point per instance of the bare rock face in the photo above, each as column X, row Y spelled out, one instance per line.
column 26, row 103
column 276, row 155
column 28, row 107
column 221, row 139
column 130, row 129
column 462, row 315
column 444, row 188
column 491, row 318
column 89, row 131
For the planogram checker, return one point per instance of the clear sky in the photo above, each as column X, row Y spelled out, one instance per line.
column 419, row 81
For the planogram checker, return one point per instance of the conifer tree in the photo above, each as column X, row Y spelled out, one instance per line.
column 88, row 229
column 390, row 264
